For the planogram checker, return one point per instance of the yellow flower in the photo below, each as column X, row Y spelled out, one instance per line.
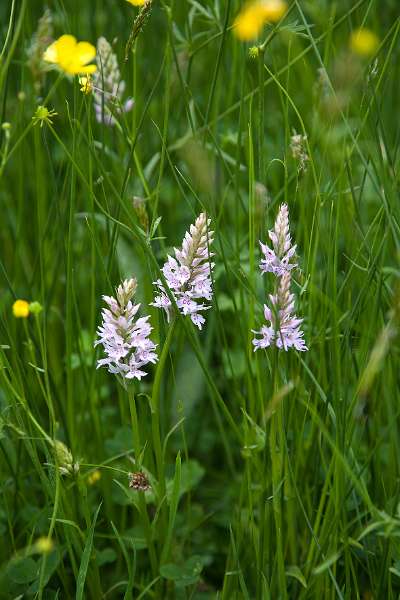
column 44, row 545
column 86, row 84
column 250, row 21
column 21, row 309
column 364, row 42
column 137, row 2
column 94, row 477
column 274, row 10
column 71, row 56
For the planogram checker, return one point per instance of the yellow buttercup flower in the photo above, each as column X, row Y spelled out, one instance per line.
column 44, row 545
column 274, row 10
column 364, row 42
column 71, row 56
column 94, row 477
column 20, row 309
column 86, row 84
column 250, row 21
column 137, row 2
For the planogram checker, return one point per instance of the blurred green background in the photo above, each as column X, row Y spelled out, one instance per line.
column 304, row 503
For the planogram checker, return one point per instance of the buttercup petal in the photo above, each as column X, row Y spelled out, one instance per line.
column 85, row 52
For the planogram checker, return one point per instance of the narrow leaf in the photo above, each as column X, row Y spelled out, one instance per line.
column 80, row 584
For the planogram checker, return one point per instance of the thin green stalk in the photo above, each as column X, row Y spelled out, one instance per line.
column 155, row 411
column 142, row 501
column 276, row 444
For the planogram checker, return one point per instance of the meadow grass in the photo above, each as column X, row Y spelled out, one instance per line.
column 273, row 475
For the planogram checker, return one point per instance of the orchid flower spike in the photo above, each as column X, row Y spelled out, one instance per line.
column 283, row 326
column 124, row 338
column 280, row 258
column 188, row 275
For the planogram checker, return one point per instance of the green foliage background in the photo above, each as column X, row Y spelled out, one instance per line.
column 281, row 470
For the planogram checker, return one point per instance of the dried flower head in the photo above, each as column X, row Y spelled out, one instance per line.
column 280, row 258
column 283, row 329
column 322, row 86
column 188, row 275
column 139, row 23
column 71, row 56
column 262, row 199
column 139, row 206
column 298, row 147
column 108, row 87
column 39, row 42
column 125, row 340
column 139, row 481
